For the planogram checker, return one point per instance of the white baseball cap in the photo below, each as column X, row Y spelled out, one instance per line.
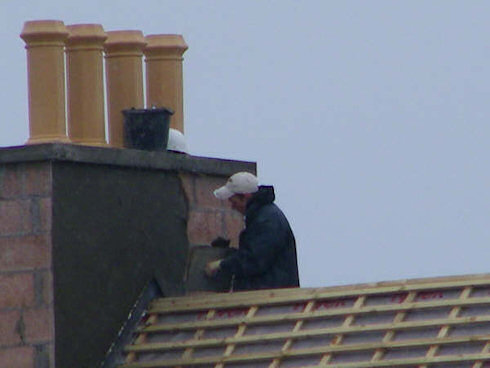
column 239, row 183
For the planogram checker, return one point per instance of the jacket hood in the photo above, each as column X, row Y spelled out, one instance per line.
column 265, row 195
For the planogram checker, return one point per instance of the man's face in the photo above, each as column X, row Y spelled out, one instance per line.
column 239, row 202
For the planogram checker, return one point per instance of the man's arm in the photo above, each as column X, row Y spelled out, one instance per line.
column 265, row 239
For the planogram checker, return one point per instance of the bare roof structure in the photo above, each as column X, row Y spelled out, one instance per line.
column 443, row 322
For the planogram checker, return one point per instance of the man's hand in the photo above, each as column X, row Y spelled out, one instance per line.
column 212, row 268
column 220, row 242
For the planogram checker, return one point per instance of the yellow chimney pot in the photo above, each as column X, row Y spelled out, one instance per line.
column 164, row 76
column 124, row 78
column 45, row 41
column 84, row 51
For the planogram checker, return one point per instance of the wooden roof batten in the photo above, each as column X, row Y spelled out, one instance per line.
column 439, row 322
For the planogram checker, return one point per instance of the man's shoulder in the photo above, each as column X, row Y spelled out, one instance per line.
column 269, row 210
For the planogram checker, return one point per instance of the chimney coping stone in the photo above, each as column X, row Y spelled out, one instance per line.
column 158, row 160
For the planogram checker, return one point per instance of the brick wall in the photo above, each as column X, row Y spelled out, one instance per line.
column 209, row 217
column 69, row 214
column 26, row 295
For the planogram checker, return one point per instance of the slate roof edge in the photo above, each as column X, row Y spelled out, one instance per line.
column 123, row 157
column 125, row 335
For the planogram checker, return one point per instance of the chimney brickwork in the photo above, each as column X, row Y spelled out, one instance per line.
column 26, row 293
column 84, row 228
column 208, row 216
column 71, row 216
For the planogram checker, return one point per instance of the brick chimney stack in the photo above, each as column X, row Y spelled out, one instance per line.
column 83, row 228
column 82, row 232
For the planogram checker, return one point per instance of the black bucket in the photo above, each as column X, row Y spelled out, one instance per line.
column 147, row 129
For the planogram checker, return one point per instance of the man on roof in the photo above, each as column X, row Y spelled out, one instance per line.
column 266, row 256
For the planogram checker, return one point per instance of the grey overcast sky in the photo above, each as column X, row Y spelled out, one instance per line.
column 371, row 118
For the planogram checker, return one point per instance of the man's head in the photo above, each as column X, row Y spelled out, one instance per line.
column 238, row 190
column 239, row 202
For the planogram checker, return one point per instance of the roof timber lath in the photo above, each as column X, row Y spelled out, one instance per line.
column 442, row 322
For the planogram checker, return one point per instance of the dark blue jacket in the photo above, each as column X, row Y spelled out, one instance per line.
column 266, row 257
